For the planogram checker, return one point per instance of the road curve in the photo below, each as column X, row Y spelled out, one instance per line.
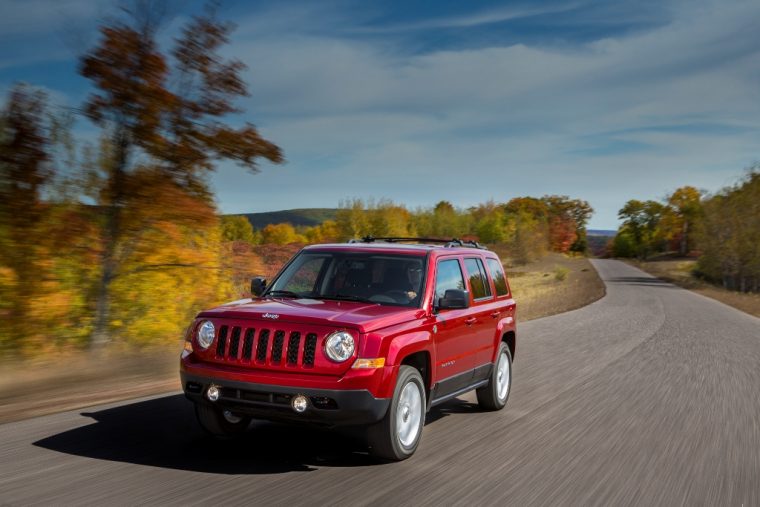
column 650, row 396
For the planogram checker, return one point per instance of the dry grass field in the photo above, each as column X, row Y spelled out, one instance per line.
column 554, row 284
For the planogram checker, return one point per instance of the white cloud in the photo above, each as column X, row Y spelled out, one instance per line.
column 359, row 117
column 484, row 17
column 363, row 114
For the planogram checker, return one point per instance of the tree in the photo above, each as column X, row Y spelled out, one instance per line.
column 179, row 131
column 326, row 232
column 528, row 223
column 25, row 169
column 641, row 220
column 280, row 234
column 352, row 220
column 730, row 236
column 567, row 222
column 686, row 207
column 238, row 228
column 389, row 219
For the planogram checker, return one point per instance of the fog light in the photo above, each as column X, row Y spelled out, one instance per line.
column 299, row 403
column 212, row 393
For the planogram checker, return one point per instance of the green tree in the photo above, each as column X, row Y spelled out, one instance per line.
column 641, row 220
column 686, row 206
column 730, row 238
column 238, row 228
column 352, row 220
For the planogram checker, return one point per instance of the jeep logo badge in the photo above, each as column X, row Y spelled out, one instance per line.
column 272, row 316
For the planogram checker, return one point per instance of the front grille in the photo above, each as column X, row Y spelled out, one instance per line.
column 242, row 344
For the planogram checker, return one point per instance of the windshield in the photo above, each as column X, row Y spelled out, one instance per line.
column 377, row 278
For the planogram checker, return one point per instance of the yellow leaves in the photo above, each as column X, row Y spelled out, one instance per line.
column 281, row 234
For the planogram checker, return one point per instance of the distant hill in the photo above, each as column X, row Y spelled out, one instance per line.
column 598, row 239
column 295, row 217
column 601, row 232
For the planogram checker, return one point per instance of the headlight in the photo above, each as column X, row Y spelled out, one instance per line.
column 339, row 346
column 206, row 334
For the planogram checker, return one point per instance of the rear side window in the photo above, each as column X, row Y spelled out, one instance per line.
column 449, row 276
column 499, row 279
column 478, row 280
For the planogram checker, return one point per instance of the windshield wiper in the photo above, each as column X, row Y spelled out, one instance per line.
column 344, row 297
column 282, row 293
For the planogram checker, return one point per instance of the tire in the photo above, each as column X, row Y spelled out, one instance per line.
column 220, row 423
column 494, row 395
column 396, row 436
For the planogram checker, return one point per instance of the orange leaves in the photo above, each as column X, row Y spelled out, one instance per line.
column 130, row 74
column 177, row 126
column 562, row 233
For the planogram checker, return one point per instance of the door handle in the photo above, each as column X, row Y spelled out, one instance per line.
column 495, row 315
column 471, row 321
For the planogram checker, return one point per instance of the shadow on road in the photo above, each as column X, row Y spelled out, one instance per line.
column 641, row 280
column 163, row 433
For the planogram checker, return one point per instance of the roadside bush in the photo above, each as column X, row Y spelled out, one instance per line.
column 560, row 273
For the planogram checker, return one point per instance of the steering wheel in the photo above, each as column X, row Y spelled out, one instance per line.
column 399, row 296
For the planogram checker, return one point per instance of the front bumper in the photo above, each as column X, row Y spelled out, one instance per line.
column 328, row 407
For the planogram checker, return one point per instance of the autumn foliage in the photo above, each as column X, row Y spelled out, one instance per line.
column 119, row 242
column 721, row 230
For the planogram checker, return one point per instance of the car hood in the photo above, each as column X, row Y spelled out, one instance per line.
column 366, row 317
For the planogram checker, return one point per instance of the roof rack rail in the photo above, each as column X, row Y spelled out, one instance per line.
column 447, row 243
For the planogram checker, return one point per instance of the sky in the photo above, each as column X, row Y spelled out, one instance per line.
column 465, row 101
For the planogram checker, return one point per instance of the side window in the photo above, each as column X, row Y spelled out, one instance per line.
column 478, row 280
column 499, row 279
column 448, row 276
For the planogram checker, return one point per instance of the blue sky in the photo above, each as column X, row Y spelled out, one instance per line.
column 464, row 101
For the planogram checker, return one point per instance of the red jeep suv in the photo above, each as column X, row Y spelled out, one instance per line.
column 369, row 333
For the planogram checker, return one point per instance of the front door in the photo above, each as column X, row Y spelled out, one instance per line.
column 455, row 357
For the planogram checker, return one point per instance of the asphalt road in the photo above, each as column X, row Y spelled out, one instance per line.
column 650, row 396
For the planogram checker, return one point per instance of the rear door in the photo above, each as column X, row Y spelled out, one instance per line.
column 481, row 323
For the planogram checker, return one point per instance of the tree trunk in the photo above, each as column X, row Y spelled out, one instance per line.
column 111, row 234
column 684, row 246
column 100, row 335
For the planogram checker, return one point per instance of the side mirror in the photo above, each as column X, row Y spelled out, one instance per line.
column 258, row 285
column 454, row 299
